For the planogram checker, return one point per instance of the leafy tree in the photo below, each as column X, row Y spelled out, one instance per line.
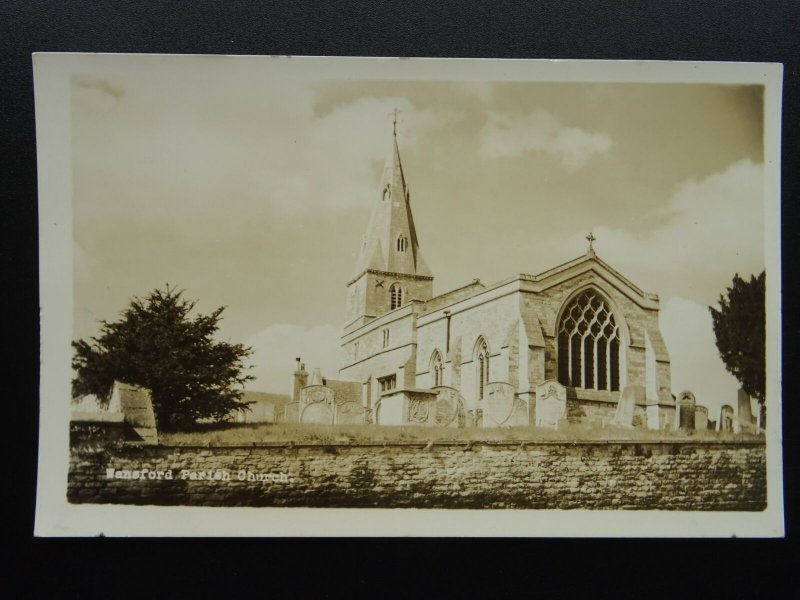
column 739, row 326
column 156, row 344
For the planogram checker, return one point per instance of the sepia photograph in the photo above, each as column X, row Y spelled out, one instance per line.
column 324, row 296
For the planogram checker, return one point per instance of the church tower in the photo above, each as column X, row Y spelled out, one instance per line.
column 390, row 270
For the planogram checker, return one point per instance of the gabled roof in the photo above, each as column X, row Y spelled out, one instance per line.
column 278, row 400
column 590, row 258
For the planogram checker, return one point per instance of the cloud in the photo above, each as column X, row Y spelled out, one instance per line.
column 710, row 229
column 276, row 347
column 268, row 151
column 504, row 136
column 696, row 365
column 342, row 148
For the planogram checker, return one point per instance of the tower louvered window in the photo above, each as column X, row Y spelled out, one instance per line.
column 395, row 296
column 402, row 243
column 589, row 344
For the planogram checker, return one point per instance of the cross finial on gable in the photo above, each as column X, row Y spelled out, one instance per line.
column 591, row 240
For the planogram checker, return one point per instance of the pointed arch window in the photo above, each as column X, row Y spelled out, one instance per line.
column 437, row 368
column 589, row 344
column 482, row 360
column 402, row 243
column 395, row 296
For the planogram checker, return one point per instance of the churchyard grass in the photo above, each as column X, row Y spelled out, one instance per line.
column 244, row 434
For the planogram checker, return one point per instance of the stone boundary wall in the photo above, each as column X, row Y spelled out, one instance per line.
column 696, row 475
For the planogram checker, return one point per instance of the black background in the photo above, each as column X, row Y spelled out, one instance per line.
column 654, row 30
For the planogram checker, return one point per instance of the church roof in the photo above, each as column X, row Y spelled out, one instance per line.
column 277, row 400
column 590, row 257
column 345, row 391
column 390, row 243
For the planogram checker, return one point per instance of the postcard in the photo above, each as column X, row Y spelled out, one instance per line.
column 322, row 296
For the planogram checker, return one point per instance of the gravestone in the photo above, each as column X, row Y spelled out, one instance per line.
column 623, row 417
column 501, row 405
column 725, row 422
column 551, row 404
column 745, row 409
column 685, row 408
column 449, row 407
column 700, row 417
column 316, row 405
column 136, row 405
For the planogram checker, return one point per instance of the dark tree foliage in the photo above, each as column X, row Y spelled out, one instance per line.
column 156, row 344
column 739, row 326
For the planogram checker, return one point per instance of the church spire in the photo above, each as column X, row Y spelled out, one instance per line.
column 391, row 244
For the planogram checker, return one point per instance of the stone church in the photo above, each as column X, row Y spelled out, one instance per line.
column 477, row 355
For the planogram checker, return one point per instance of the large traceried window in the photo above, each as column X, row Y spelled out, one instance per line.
column 589, row 344
column 395, row 296
column 437, row 368
column 482, row 360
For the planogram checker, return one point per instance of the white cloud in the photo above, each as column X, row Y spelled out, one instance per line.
column 709, row 230
column 341, row 149
column 696, row 365
column 276, row 347
column 504, row 136
column 270, row 150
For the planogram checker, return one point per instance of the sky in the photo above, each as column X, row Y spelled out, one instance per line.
column 252, row 190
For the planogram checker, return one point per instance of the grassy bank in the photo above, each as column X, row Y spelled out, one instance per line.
column 242, row 434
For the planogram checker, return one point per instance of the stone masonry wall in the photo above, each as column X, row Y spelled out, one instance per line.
column 698, row 475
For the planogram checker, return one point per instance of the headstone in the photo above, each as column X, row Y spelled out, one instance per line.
column 449, row 407
column 551, row 404
column 700, row 417
column 136, row 405
column 745, row 409
column 499, row 406
column 685, row 408
column 316, row 405
column 623, row 417
column 726, row 420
